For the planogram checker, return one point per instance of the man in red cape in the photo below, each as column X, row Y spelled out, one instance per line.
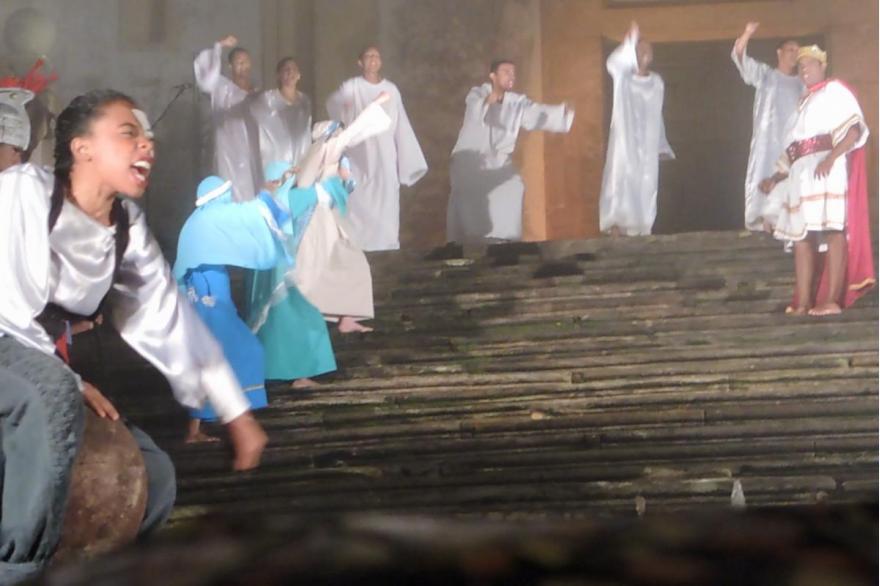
column 821, row 199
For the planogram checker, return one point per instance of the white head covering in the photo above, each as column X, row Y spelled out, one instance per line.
column 15, row 126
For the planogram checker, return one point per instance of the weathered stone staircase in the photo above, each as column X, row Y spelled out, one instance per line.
column 559, row 379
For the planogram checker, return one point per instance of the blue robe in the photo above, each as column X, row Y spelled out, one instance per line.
column 293, row 332
column 208, row 289
column 218, row 234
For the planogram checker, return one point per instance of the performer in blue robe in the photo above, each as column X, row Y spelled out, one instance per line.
column 221, row 233
column 293, row 332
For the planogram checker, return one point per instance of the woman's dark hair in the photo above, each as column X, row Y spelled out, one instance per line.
column 74, row 121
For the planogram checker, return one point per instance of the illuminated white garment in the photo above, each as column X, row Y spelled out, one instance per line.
column 776, row 99
column 236, row 157
column 73, row 267
column 804, row 202
column 636, row 139
column 379, row 165
column 285, row 129
column 487, row 192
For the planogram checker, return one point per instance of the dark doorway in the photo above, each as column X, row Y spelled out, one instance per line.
column 708, row 114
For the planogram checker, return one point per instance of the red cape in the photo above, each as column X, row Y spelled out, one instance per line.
column 860, row 276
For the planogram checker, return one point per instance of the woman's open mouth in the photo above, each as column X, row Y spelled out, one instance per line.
column 141, row 170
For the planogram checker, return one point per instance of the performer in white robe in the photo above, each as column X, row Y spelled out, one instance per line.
column 636, row 141
column 487, row 192
column 283, row 117
column 71, row 247
column 819, row 194
column 331, row 271
column 382, row 164
column 777, row 92
column 235, row 154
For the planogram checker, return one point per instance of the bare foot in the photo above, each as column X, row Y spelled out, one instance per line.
column 194, row 435
column 829, row 308
column 303, row 383
column 615, row 232
column 796, row 310
column 348, row 325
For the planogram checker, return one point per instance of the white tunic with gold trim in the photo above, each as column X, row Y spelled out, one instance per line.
column 804, row 202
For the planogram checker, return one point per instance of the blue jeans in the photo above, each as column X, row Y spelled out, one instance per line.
column 41, row 424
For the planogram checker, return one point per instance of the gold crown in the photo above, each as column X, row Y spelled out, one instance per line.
column 814, row 52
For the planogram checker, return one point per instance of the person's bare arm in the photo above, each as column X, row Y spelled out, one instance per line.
column 843, row 147
column 742, row 42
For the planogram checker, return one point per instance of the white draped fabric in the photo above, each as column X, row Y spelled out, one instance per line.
column 379, row 165
column 236, row 157
column 635, row 141
column 331, row 271
column 487, row 192
column 284, row 128
column 73, row 267
column 776, row 99
column 804, row 202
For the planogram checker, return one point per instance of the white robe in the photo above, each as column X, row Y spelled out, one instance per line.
column 379, row 165
column 803, row 202
column 776, row 99
column 331, row 271
column 73, row 267
column 636, row 139
column 487, row 192
column 235, row 153
column 285, row 129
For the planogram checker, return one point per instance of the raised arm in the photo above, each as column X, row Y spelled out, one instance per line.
column 623, row 59
column 751, row 71
column 208, row 64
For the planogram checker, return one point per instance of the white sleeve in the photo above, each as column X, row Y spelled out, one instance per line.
column 340, row 104
column 208, row 66
column 555, row 118
column 411, row 163
column 623, row 59
column 25, row 254
column 846, row 114
column 152, row 315
column 751, row 71
column 371, row 121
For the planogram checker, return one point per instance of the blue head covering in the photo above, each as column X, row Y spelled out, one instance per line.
column 222, row 232
column 213, row 189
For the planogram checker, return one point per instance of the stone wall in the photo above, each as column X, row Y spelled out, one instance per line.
column 144, row 48
column 573, row 31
